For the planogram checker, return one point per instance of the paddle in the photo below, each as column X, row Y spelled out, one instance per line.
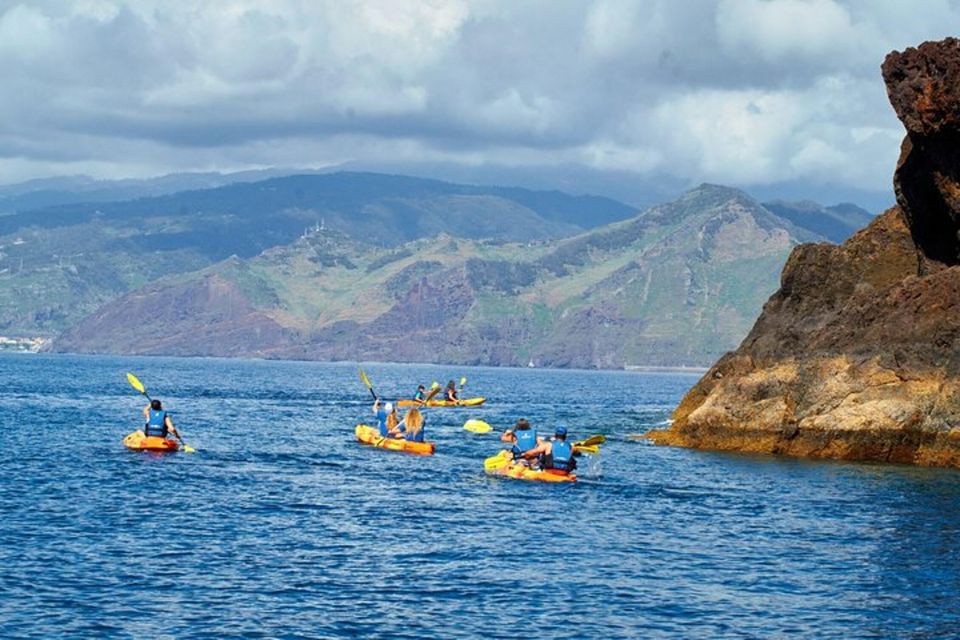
column 136, row 384
column 591, row 449
column 433, row 393
column 502, row 459
column 477, row 426
column 592, row 440
column 366, row 381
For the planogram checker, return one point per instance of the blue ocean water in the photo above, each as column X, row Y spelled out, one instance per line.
column 282, row 526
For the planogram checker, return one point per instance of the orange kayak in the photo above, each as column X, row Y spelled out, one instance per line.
column 371, row 435
column 502, row 464
column 466, row 402
column 139, row 442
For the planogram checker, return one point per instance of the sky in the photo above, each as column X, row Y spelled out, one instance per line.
column 630, row 99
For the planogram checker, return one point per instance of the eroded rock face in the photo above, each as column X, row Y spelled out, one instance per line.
column 923, row 87
column 857, row 356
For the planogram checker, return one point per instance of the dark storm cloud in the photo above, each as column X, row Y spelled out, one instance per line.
column 737, row 91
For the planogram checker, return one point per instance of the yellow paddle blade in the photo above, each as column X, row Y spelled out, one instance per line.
column 592, row 449
column 135, row 383
column 498, row 461
column 435, row 385
column 477, row 426
column 433, row 392
column 188, row 449
column 463, row 381
column 365, row 379
column 592, row 440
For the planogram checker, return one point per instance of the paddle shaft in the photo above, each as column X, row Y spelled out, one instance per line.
column 366, row 381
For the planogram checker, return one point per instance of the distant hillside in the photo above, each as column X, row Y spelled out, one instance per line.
column 677, row 284
column 836, row 223
column 59, row 264
column 246, row 218
column 48, row 192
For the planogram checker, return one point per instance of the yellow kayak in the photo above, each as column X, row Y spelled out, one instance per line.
column 139, row 442
column 502, row 464
column 466, row 402
column 371, row 435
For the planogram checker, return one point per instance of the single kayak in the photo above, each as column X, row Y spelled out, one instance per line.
column 502, row 464
column 466, row 402
column 371, row 435
column 139, row 442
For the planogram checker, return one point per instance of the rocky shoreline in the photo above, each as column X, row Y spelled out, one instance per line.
column 857, row 355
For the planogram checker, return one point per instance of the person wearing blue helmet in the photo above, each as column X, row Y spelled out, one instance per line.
column 555, row 455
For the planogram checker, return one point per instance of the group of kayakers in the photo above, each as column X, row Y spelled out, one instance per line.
column 450, row 393
column 528, row 450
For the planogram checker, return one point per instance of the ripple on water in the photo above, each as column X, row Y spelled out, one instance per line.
column 283, row 526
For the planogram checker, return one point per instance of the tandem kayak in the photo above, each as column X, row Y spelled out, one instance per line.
column 466, row 402
column 139, row 442
column 502, row 464
column 371, row 435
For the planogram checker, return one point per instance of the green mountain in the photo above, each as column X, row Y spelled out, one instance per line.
column 677, row 284
column 59, row 264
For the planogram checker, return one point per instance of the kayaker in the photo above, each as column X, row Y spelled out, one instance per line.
column 421, row 395
column 383, row 417
column 411, row 427
column 555, row 455
column 450, row 393
column 393, row 417
column 522, row 436
column 158, row 423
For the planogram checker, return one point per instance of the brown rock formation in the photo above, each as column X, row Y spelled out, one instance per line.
column 857, row 356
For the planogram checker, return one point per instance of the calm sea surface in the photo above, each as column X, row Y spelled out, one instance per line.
column 282, row 526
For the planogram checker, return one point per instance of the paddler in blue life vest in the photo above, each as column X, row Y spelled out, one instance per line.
column 158, row 423
column 556, row 454
column 421, row 395
column 522, row 436
column 384, row 414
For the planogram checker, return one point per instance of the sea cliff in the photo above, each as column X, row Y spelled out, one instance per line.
column 857, row 355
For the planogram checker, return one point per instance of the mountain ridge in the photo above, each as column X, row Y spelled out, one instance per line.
column 619, row 294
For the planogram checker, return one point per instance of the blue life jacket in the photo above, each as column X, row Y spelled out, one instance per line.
column 156, row 424
column 561, row 456
column 526, row 440
column 419, row 395
column 382, row 423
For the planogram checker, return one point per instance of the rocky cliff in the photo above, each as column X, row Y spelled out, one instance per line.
column 857, row 355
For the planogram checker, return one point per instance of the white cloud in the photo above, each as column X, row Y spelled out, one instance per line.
column 743, row 91
column 785, row 31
